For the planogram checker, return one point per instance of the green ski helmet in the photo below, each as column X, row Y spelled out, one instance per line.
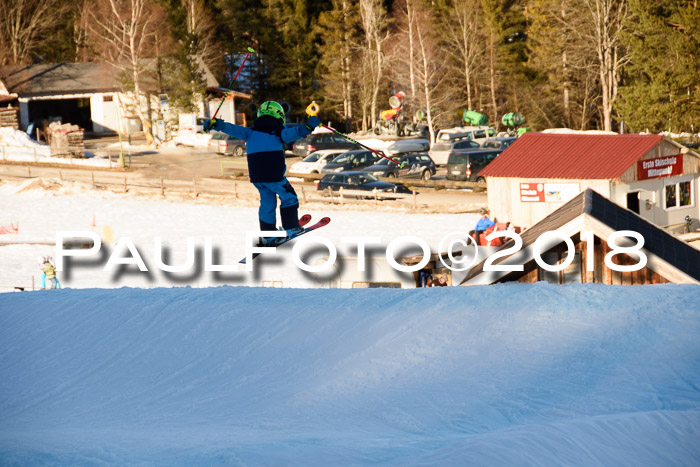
column 272, row 109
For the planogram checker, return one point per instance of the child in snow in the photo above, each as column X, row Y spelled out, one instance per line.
column 266, row 164
column 48, row 278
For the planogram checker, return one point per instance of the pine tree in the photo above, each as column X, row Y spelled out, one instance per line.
column 561, row 65
column 295, row 57
column 661, row 88
column 338, row 30
column 506, row 30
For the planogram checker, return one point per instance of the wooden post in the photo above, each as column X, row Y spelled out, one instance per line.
column 92, row 176
column 3, row 153
column 235, row 190
column 303, row 194
column 35, row 158
column 60, row 174
column 125, row 187
column 376, row 197
column 29, row 171
column 415, row 202
column 194, row 185
column 162, row 188
column 342, row 200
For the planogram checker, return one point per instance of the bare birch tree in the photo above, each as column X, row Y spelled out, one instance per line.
column 561, row 38
column 375, row 34
column 201, row 29
column 606, row 17
column 464, row 40
column 22, row 25
column 419, row 62
column 126, row 30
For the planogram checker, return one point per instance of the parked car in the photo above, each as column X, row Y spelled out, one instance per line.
column 441, row 150
column 314, row 162
column 213, row 144
column 358, row 181
column 228, row 145
column 475, row 133
column 406, row 146
column 499, row 143
column 351, row 160
column 407, row 166
column 467, row 165
column 315, row 141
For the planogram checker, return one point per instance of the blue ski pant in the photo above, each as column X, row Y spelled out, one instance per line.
column 289, row 203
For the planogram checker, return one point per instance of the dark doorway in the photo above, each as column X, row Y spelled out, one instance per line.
column 73, row 111
column 633, row 201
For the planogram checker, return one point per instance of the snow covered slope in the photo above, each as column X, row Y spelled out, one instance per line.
column 511, row 374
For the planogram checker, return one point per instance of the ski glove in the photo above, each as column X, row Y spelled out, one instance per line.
column 313, row 122
column 210, row 125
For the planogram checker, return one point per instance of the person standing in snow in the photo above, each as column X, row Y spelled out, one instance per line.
column 48, row 279
column 481, row 226
column 266, row 164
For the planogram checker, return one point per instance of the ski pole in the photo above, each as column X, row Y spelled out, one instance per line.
column 250, row 50
column 313, row 110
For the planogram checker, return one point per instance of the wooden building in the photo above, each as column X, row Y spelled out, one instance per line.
column 588, row 221
column 92, row 96
column 651, row 175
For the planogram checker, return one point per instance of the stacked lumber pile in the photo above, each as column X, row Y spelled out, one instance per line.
column 8, row 118
column 66, row 139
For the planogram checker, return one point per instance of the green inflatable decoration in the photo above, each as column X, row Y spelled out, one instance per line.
column 474, row 118
column 513, row 119
column 524, row 129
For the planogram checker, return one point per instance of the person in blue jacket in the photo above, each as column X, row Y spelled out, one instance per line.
column 482, row 225
column 266, row 164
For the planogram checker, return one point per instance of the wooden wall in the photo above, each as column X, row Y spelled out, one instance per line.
column 600, row 273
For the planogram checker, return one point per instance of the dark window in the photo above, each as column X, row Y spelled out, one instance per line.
column 633, row 201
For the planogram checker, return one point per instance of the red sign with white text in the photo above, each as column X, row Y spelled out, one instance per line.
column 532, row 192
column 660, row 167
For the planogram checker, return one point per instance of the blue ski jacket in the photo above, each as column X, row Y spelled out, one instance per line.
column 264, row 145
column 484, row 224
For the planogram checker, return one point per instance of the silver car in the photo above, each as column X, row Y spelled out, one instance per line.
column 441, row 150
column 314, row 162
column 227, row 145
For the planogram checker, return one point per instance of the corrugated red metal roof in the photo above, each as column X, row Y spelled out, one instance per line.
column 570, row 156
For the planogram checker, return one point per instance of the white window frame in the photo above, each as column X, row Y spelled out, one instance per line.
column 677, row 183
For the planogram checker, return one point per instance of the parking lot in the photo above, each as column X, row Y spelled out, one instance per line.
column 188, row 163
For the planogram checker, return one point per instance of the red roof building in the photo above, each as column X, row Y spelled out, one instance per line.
column 651, row 175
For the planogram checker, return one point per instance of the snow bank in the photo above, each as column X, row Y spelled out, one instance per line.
column 195, row 140
column 34, row 204
column 17, row 146
column 13, row 137
column 515, row 374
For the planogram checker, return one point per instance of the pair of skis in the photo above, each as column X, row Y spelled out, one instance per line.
column 303, row 221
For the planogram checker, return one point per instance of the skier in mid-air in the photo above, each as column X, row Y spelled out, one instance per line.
column 266, row 164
